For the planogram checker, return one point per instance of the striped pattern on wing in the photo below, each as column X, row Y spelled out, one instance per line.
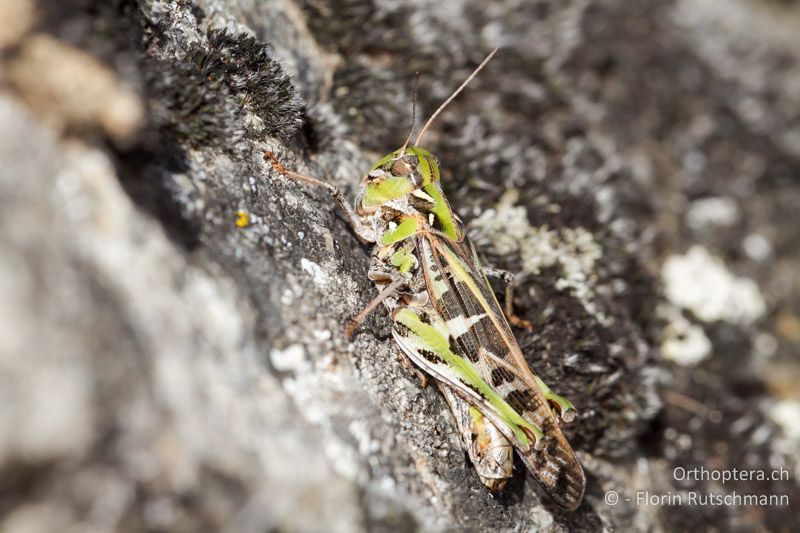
column 423, row 336
column 462, row 297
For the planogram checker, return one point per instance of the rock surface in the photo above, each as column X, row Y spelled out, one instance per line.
column 171, row 335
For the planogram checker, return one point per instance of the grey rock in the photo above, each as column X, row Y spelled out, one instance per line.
column 171, row 335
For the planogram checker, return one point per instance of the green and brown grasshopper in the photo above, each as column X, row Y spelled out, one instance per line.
column 448, row 321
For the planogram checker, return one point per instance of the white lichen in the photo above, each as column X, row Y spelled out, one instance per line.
column 701, row 283
column 318, row 275
column 712, row 212
column 505, row 230
column 786, row 413
column 293, row 359
column 681, row 341
column 757, row 247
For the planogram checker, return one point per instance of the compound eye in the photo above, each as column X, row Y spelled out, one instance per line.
column 404, row 165
column 401, row 168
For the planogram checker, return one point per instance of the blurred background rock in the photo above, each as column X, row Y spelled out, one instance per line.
column 171, row 330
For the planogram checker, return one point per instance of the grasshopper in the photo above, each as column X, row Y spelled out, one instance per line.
column 448, row 322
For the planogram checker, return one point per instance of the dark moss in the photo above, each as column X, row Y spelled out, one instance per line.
column 195, row 107
column 248, row 68
column 202, row 96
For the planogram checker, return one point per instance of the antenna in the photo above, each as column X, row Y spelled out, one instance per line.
column 413, row 115
column 452, row 96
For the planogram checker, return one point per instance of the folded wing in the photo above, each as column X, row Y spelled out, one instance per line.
column 478, row 331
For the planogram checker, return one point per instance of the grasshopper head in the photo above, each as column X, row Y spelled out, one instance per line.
column 397, row 175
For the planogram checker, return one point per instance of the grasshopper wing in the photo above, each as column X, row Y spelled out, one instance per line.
column 479, row 332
